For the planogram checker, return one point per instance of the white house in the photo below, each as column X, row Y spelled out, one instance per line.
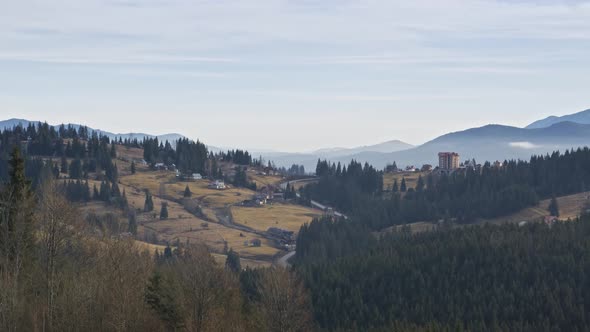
column 217, row 184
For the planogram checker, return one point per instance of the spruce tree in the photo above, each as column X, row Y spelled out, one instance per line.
column 187, row 192
column 554, row 207
column 132, row 223
column 55, row 171
column 133, row 167
column 64, row 165
column 403, row 186
column 161, row 298
column 420, row 184
column 76, row 169
column 149, row 203
column 395, row 187
column 164, row 211
column 123, row 203
column 95, row 193
column 232, row 262
column 17, row 205
column 113, row 152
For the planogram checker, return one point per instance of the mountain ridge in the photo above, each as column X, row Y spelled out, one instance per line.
column 582, row 117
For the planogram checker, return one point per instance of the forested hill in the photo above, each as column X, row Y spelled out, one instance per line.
column 459, row 277
column 477, row 278
column 465, row 196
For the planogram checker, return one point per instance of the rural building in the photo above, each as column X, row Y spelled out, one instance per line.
column 256, row 243
column 283, row 234
column 197, row 176
column 448, row 161
column 260, row 198
column 217, row 184
column 161, row 167
column 411, row 168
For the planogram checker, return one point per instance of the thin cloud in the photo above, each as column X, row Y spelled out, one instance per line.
column 106, row 60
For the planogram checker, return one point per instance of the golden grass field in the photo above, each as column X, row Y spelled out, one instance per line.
column 215, row 236
column 166, row 183
column 264, row 180
column 286, row 216
column 245, row 262
column 411, row 179
column 181, row 225
column 219, row 258
column 569, row 207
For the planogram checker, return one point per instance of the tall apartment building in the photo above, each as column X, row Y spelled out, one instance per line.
column 448, row 160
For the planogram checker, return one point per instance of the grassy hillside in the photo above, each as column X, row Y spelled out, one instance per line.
column 285, row 216
column 205, row 217
column 411, row 179
column 569, row 207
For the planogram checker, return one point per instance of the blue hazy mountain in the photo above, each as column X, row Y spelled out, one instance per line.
column 487, row 143
column 580, row 117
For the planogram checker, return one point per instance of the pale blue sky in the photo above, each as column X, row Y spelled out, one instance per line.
column 293, row 75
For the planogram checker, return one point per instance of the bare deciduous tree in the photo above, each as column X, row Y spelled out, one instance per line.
column 58, row 228
column 284, row 302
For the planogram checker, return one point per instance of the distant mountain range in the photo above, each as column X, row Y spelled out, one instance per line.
column 165, row 137
column 309, row 160
column 385, row 147
column 487, row 143
column 581, row 117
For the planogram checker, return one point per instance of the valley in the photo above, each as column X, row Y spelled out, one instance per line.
column 221, row 222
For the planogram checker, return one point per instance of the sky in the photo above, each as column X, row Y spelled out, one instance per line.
column 293, row 75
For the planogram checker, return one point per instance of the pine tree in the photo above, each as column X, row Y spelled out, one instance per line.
column 420, row 184
column 55, row 171
column 76, row 169
column 132, row 223
column 17, row 238
column 105, row 191
column 64, row 165
column 403, row 187
column 95, row 193
column 554, row 207
column 113, row 150
column 149, row 203
column 187, row 192
column 123, row 203
column 164, row 211
column 133, row 167
column 395, row 187
column 232, row 262
column 161, row 298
